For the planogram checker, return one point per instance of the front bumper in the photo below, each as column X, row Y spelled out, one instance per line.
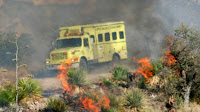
column 55, row 67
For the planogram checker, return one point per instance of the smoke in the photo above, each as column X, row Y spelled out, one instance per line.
column 147, row 21
column 1, row 3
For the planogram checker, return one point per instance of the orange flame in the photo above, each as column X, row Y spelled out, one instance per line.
column 91, row 105
column 146, row 68
column 63, row 76
column 170, row 59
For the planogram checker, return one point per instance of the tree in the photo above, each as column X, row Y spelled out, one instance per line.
column 184, row 46
column 17, row 66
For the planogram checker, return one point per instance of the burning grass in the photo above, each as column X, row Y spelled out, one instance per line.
column 146, row 69
column 70, row 79
column 95, row 101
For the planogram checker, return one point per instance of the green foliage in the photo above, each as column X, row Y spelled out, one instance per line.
column 157, row 66
column 142, row 83
column 108, row 83
column 173, row 86
column 77, row 77
column 134, row 98
column 6, row 97
column 115, row 101
column 28, row 88
column 190, row 34
column 179, row 100
column 56, row 105
column 120, row 73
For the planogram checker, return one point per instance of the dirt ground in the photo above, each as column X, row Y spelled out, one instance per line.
column 52, row 86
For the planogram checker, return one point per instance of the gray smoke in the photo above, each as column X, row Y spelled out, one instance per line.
column 147, row 21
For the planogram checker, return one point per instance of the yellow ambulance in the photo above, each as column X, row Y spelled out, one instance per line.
column 89, row 44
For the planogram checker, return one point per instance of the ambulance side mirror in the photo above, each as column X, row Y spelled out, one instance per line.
column 52, row 43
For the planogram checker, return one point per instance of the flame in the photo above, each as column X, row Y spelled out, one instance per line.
column 63, row 76
column 146, row 68
column 169, row 58
column 106, row 102
column 91, row 105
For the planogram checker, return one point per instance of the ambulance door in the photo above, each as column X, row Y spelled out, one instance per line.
column 100, row 47
column 94, row 47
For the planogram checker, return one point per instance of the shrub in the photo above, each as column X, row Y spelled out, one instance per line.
column 120, row 73
column 179, row 100
column 157, row 66
column 141, row 83
column 56, row 105
column 6, row 97
column 173, row 85
column 108, row 83
column 115, row 101
column 29, row 88
column 134, row 98
column 77, row 77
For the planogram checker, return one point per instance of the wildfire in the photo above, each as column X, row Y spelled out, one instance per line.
column 145, row 69
column 169, row 58
column 63, row 75
column 91, row 105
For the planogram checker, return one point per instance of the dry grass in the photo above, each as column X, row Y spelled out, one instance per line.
column 194, row 107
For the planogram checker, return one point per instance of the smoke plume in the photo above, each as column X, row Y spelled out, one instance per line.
column 147, row 21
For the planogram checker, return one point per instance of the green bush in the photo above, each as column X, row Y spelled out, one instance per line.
column 108, row 83
column 157, row 66
column 77, row 77
column 179, row 100
column 56, row 105
column 142, row 83
column 120, row 73
column 29, row 88
column 173, row 85
column 115, row 101
column 6, row 97
column 134, row 98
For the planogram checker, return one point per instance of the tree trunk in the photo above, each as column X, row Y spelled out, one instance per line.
column 187, row 95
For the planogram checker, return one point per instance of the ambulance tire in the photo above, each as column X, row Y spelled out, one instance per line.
column 83, row 64
column 115, row 60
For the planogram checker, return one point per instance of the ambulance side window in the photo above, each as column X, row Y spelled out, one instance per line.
column 86, row 42
column 107, row 36
column 100, row 37
column 121, row 33
column 114, row 35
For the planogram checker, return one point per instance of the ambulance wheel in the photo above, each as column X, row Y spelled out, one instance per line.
column 83, row 64
column 115, row 60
